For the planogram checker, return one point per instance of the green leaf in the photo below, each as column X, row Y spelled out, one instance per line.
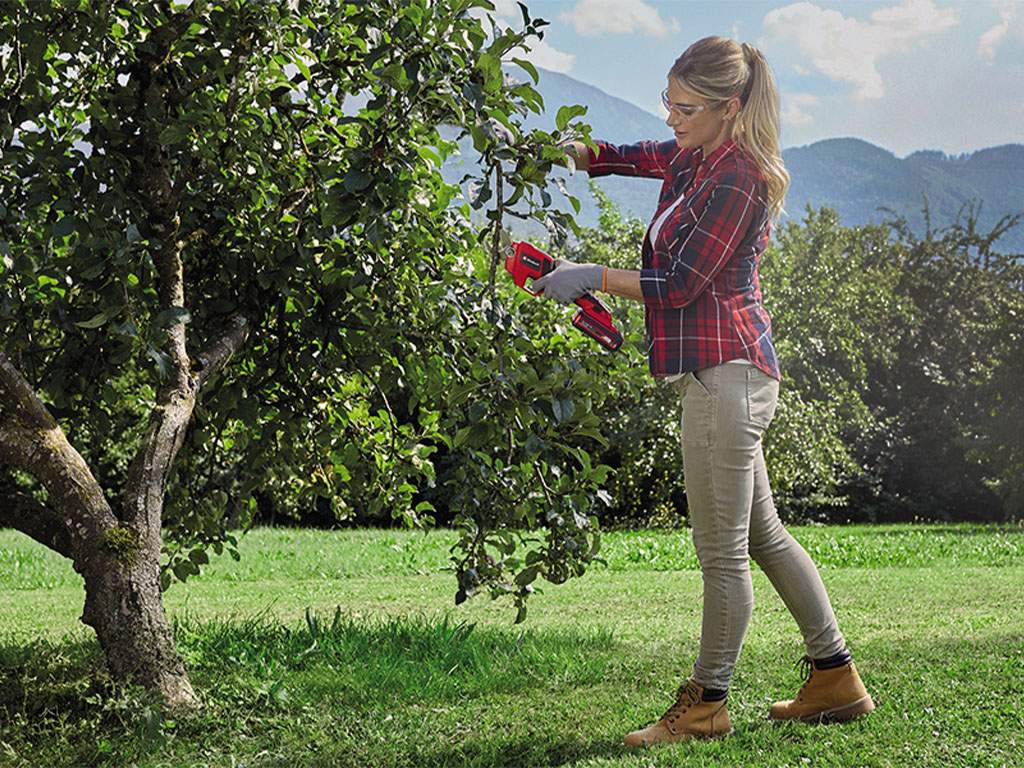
column 173, row 134
column 479, row 193
column 563, row 409
column 529, row 68
column 593, row 433
column 491, row 68
column 303, row 67
column 183, row 569
column 199, row 557
column 461, row 436
column 567, row 113
column 527, row 575
column 97, row 320
column 356, row 180
column 64, row 227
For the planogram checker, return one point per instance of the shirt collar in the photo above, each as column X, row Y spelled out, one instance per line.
column 726, row 146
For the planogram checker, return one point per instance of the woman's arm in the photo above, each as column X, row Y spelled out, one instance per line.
column 645, row 158
column 625, row 283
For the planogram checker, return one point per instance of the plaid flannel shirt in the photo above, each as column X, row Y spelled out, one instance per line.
column 700, row 255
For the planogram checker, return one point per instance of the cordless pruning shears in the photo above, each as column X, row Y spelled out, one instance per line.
column 523, row 261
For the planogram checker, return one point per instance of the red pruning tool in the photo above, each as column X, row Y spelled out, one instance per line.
column 523, row 261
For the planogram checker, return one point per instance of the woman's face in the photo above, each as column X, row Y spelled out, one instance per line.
column 695, row 122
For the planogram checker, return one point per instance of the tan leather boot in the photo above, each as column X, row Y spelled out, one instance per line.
column 688, row 718
column 827, row 695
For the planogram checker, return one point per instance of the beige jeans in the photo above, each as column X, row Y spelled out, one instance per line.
column 725, row 411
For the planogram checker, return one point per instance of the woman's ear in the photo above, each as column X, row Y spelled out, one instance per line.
column 733, row 110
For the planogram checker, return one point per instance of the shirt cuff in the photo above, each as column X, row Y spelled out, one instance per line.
column 656, row 289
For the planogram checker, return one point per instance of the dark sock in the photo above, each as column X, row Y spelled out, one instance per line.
column 840, row 659
column 715, row 694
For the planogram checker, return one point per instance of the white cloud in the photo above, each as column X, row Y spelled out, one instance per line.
column 508, row 8
column 847, row 49
column 1010, row 20
column 800, row 70
column 545, row 56
column 793, row 106
column 592, row 18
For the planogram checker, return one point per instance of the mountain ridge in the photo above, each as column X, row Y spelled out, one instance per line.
column 849, row 174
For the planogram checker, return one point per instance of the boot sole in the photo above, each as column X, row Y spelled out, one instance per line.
column 837, row 715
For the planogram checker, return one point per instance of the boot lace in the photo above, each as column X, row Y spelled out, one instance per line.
column 687, row 695
column 806, row 667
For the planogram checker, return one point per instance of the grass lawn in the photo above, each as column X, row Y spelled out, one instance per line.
column 346, row 649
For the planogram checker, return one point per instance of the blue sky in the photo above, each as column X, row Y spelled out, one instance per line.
column 904, row 75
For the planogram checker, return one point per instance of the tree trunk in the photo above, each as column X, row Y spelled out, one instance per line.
column 119, row 560
column 123, row 604
column 118, row 556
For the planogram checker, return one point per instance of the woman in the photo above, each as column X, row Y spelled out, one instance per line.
column 723, row 185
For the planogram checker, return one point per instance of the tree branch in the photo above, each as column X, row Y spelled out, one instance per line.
column 31, row 440
column 37, row 521
column 17, row 395
column 212, row 359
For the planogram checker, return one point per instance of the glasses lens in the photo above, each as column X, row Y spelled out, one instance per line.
column 686, row 112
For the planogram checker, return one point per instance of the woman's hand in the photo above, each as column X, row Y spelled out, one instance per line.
column 578, row 151
column 568, row 281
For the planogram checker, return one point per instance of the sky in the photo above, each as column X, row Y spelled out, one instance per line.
column 905, row 76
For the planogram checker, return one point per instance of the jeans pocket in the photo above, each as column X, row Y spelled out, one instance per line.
column 699, row 412
column 762, row 397
column 700, row 384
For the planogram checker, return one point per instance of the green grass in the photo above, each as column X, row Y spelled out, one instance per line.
column 346, row 649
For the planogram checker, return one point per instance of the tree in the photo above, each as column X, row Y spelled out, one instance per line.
column 215, row 265
column 951, row 390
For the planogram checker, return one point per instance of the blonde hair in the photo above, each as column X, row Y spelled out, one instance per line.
column 718, row 69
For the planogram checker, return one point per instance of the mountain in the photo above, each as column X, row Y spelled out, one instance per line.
column 857, row 178
column 853, row 176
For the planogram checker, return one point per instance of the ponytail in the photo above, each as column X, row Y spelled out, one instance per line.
column 757, row 127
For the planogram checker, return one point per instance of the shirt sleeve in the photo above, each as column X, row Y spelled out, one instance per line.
column 645, row 158
column 733, row 204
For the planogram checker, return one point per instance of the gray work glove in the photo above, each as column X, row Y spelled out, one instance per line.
column 568, row 281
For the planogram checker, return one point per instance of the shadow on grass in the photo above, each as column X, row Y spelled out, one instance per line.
column 365, row 663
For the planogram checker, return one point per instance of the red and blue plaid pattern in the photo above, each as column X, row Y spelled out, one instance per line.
column 700, row 256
